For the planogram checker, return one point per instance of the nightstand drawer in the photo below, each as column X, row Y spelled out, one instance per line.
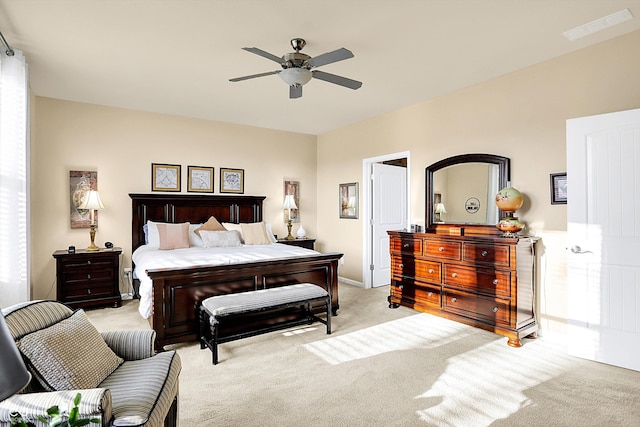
column 87, row 264
column 87, row 276
column 96, row 290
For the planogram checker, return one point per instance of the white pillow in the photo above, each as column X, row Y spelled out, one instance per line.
column 152, row 234
column 194, row 239
column 234, row 227
column 220, row 239
column 267, row 225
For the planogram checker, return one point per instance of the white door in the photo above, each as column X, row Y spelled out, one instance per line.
column 389, row 212
column 603, row 215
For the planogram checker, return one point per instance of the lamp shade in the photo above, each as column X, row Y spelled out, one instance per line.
column 91, row 201
column 295, row 76
column 289, row 202
column 13, row 373
column 440, row 208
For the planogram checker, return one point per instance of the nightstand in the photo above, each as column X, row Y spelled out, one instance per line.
column 303, row 243
column 86, row 279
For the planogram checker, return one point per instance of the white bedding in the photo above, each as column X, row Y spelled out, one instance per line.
column 146, row 257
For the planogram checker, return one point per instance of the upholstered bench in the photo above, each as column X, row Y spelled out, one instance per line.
column 221, row 308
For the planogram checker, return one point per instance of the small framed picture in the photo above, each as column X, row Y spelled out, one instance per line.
column 559, row 188
column 231, row 180
column 200, row 179
column 348, row 199
column 165, row 177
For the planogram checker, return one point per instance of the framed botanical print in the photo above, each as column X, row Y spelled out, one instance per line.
column 200, row 179
column 165, row 177
column 81, row 182
column 348, row 199
column 293, row 188
column 231, row 180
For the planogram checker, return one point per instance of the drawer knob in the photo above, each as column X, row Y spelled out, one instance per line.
column 89, row 291
column 454, row 275
column 89, row 276
column 454, row 299
column 430, row 294
column 441, row 249
column 406, row 245
column 400, row 286
column 495, row 281
column 485, row 253
column 495, row 309
column 401, row 265
column 431, row 270
column 88, row 262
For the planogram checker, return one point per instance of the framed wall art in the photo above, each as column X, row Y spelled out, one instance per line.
column 348, row 194
column 559, row 188
column 293, row 188
column 165, row 177
column 200, row 179
column 80, row 182
column 231, row 180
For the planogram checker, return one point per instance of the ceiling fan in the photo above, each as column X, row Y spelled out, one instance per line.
column 297, row 68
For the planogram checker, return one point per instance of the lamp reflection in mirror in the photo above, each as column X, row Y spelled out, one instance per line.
column 13, row 373
column 440, row 209
column 93, row 203
column 289, row 203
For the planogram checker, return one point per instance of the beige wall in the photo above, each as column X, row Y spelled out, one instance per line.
column 121, row 145
column 521, row 116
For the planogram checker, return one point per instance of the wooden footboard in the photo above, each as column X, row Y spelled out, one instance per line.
column 177, row 293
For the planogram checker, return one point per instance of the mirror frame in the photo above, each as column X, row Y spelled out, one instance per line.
column 504, row 176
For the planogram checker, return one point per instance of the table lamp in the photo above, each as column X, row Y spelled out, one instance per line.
column 92, row 202
column 289, row 203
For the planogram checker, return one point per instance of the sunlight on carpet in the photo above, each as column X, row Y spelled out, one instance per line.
column 413, row 332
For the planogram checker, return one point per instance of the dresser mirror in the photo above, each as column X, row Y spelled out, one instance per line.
column 460, row 190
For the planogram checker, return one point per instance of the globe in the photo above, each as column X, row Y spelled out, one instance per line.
column 509, row 199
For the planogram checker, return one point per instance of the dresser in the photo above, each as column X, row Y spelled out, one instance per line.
column 482, row 281
column 87, row 279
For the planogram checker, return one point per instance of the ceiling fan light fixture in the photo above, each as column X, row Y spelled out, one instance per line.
column 295, row 76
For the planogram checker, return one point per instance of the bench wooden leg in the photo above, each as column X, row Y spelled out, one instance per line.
column 328, row 315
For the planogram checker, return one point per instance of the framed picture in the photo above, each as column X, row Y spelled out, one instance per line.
column 80, row 182
column 231, row 180
column 293, row 188
column 165, row 177
column 200, row 179
column 348, row 194
column 559, row 188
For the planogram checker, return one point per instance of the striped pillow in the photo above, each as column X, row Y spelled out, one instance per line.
column 69, row 355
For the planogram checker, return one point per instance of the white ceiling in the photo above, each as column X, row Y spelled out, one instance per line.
column 177, row 56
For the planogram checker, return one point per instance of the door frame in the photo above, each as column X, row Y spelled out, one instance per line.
column 367, row 200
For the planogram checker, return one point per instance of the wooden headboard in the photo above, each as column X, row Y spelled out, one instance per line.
column 195, row 209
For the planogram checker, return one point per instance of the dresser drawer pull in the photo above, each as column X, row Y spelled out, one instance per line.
column 494, row 309
column 431, row 270
column 485, row 253
column 88, row 262
column 454, row 299
column 400, row 287
column 430, row 294
column 401, row 265
column 89, row 291
column 495, row 281
column 454, row 275
column 89, row 276
column 441, row 249
column 406, row 245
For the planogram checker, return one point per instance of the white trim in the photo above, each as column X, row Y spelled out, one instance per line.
column 350, row 282
column 366, row 207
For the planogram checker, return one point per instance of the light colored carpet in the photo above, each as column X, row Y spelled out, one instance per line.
column 384, row 367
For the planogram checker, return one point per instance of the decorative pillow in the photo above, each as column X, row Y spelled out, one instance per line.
column 220, row 239
column 212, row 224
column 69, row 355
column 267, row 225
column 173, row 236
column 195, row 239
column 153, row 239
column 234, row 227
column 255, row 234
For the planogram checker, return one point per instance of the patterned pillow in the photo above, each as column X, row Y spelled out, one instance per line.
column 220, row 239
column 69, row 355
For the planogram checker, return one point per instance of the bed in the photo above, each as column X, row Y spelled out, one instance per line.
column 178, row 291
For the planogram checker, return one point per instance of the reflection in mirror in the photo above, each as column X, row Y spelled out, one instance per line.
column 461, row 190
column 467, row 192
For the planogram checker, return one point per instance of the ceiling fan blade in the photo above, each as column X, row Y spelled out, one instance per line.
column 253, row 76
column 339, row 80
column 295, row 92
column 264, row 54
column 330, row 57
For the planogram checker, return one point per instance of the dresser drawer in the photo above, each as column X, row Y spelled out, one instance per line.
column 87, row 264
column 427, row 271
column 486, row 281
column 441, row 250
column 417, row 293
column 75, row 277
column 491, row 310
column 406, row 245
column 96, row 290
column 486, row 254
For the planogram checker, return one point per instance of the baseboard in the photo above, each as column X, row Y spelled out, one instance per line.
column 351, row 282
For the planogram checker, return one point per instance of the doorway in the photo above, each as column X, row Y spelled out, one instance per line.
column 385, row 206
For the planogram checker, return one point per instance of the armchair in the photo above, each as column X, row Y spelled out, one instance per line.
column 142, row 390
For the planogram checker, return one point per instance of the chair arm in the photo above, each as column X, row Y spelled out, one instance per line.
column 131, row 345
column 95, row 403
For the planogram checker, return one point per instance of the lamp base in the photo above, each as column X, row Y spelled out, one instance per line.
column 289, row 236
column 92, row 232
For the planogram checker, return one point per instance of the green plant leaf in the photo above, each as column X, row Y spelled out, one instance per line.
column 76, row 400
